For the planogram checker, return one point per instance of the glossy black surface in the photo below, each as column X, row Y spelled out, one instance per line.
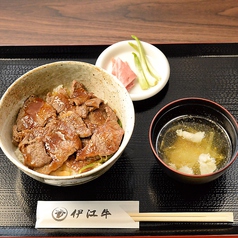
column 209, row 71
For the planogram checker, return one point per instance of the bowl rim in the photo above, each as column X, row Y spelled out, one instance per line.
column 234, row 157
column 89, row 173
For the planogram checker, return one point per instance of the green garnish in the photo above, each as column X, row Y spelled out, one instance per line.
column 145, row 69
column 141, row 76
column 95, row 164
column 119, row 122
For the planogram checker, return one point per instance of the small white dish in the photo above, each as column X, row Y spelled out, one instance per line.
column 124, row 51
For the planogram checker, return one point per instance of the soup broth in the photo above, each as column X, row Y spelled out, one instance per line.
column 194, row 145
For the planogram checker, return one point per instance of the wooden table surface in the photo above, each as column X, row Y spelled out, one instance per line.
column 103, row 22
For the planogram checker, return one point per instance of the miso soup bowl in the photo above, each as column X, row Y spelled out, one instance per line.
column 44, row 79
column 194, row 107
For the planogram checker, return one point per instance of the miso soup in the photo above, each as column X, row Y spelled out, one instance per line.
column 194, row 145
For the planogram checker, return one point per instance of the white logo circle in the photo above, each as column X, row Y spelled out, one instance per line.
column 59, row 213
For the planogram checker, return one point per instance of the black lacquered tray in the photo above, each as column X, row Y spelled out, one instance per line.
column 202, row 70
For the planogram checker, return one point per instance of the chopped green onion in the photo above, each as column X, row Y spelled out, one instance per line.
column 95, row 163
column 92, row 165
column 119, row 122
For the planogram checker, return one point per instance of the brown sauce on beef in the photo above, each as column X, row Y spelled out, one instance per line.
column 69, row 129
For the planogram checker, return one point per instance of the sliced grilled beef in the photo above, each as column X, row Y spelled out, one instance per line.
column 82, row 110
column 93, row 103
column 35, row 112
column 60, row 142
column 76, row 123
column 70, row 129
column 59, row 99
column 33, row 148
column 105, row 141
column 79, row 94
